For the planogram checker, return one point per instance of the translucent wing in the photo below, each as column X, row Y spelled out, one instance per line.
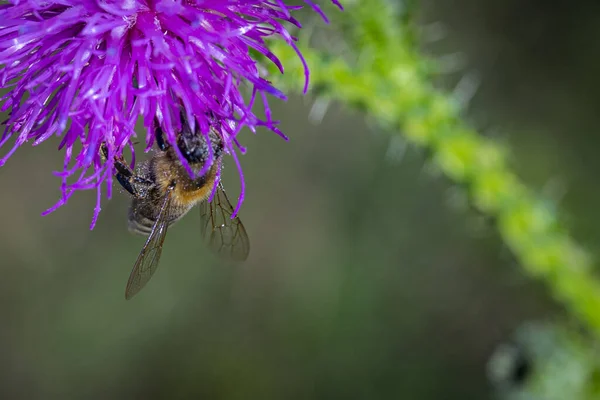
column 225, row 236
column 147, row 261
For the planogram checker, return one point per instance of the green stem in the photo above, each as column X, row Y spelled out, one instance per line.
column 388, row 78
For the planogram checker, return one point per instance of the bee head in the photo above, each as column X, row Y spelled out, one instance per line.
column 196, row 149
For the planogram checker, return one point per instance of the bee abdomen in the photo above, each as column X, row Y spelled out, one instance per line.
column 143, row 215
column 143, row 227
column 138, row 222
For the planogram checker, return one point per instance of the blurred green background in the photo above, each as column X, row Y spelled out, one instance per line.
column 369, row 275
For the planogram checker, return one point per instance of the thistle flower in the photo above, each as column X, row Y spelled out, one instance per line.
column 86, row 70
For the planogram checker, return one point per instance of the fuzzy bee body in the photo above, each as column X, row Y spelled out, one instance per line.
column 163, row 192
column 164, row 170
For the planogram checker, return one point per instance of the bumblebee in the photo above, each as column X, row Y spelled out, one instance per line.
column 163, row 192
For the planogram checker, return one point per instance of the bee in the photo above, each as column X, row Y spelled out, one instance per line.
column 163, row 192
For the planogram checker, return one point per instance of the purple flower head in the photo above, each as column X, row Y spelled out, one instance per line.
column 86, row 70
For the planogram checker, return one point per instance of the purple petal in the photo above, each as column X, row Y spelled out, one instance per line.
column 86, row 70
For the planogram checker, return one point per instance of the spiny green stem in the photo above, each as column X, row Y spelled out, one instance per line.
column 386, row 76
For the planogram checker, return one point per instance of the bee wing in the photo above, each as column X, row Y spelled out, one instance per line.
column 225, row 236
column 147, row 261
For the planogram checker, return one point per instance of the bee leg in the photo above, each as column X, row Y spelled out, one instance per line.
column 137, row 185
column 120, row 165
column 126, row 184
column 103, row 152
column 134, row 184
column 160, row 137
